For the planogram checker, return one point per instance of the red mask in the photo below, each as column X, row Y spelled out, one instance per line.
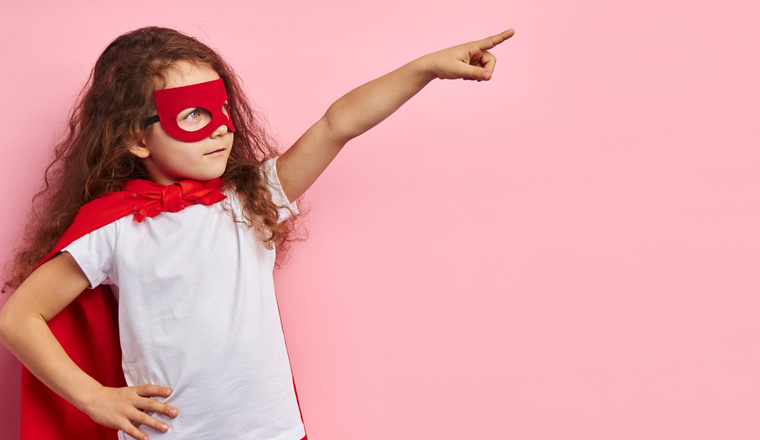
column 192, row 113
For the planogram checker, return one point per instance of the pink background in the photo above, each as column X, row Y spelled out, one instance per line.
column 569, row 251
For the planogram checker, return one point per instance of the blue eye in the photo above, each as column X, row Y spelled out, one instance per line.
column 193, row 118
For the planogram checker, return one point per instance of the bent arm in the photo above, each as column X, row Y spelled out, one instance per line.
column 24, row 329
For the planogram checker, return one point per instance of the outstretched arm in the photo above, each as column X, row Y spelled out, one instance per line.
column 369, row 104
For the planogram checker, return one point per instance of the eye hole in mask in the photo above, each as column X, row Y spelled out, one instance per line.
column 192, row 113
column 195, row 118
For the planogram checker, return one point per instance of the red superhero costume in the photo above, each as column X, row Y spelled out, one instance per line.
column 87, row 329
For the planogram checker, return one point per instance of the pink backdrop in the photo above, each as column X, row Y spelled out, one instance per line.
column 570, row 251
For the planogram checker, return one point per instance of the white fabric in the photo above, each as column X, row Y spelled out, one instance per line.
column 198, row 313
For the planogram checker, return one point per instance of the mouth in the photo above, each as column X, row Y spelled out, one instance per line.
column 217, row 151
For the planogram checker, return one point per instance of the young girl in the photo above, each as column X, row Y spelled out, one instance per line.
column 168, row 192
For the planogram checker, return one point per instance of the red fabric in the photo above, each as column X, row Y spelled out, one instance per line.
column 155, row 198
column 87, row 329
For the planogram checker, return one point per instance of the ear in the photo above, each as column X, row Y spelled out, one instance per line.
column 139, row 148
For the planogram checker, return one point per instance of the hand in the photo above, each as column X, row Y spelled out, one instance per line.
column 470, row 61
column 119, row 407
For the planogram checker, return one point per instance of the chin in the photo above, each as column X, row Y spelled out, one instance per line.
column 218, row 174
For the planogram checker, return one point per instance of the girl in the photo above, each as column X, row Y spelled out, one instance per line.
column 169, row 192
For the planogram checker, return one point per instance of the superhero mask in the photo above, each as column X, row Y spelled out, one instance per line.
column 192, row 113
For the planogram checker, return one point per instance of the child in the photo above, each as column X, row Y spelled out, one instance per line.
column 170, row 194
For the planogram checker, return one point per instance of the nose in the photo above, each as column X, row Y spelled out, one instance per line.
column 220, row 131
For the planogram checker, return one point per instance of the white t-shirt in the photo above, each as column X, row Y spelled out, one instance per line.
column 198, row 313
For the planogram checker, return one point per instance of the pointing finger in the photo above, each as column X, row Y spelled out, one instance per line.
column 490, row 42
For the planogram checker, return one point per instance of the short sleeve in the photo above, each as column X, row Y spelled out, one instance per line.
column 94, row 253
column 285, row 208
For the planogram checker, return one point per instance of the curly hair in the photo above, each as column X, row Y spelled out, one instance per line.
column 94, row 158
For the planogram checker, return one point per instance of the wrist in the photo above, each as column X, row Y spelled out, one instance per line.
column 424, row 68
column 87, row 400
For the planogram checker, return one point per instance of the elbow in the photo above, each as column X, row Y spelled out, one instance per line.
column 6, row 326
column 10, row 324
column 339, row 130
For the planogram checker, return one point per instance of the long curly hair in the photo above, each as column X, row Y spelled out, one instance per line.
column 94, row 158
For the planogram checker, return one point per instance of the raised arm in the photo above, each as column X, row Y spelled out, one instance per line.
column 369, row 104
column 24, row 330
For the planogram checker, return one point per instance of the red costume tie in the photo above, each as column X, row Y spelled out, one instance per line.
column 154, row 198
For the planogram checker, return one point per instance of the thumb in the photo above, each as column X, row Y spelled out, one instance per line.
column 474, row 72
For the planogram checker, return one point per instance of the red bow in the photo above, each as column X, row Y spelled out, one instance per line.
column 153, row 198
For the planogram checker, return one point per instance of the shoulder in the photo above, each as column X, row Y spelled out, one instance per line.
column 268, row 169
column 93, row 216
column 285, row 207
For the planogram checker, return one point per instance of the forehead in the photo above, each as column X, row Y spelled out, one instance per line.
column 185, row 73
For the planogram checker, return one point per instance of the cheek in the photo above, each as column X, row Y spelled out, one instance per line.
column 175, row 154
column 230, row 142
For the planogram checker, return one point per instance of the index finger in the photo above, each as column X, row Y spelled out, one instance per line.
column 490, row 42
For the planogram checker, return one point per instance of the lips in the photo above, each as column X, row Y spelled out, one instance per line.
column 218, row 150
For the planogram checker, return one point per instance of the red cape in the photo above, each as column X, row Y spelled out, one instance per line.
column 88, row 330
